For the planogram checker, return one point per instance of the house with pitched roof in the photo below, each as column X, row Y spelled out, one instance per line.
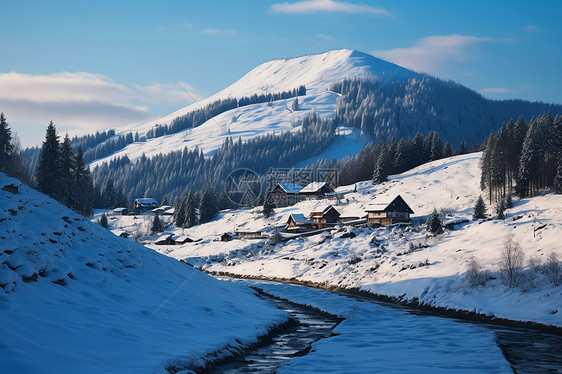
column 297, row 222
column 285, row 194
column 383, row 211
column 324, row 217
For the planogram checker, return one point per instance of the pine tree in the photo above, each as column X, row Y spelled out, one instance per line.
column 179, row 212
column 208, row 206
column 434, row 224
column 479, row 209
column 190, row 211
column 462, row 148
column 156, row 225
column 558, row 178
column 6, row 145
column 103, row 221
column 382, row 165
column 447, row 150
column 500, row 210
column 295, row 104
column 436, row 147
column 66, row 180
column 83, row 187
column 268, row 206
column 109, row 195
column 49, row 166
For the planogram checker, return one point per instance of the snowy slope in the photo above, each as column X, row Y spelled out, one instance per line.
column 316, row 72
column 395, row 261
column 76, row 298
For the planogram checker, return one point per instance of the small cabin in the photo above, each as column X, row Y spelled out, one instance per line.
column 226, row 237
column 181, row 239
column 145, row 203
column 327, row 216
column 118, row 212
column 165, row 239
column 297, row 222
column 315, row 190
column 387, row 212
column 285, row 194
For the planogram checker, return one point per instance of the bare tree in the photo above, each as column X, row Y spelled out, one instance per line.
column 474, row 275
column 552, row 269
column 511, row 264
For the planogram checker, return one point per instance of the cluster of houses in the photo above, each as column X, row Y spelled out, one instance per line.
column 285, row 194
column 144, row 205
column 380, row 212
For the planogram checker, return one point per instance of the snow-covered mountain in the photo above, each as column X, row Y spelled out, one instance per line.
column 73, row 296
column 316, row 72
column 396, row 261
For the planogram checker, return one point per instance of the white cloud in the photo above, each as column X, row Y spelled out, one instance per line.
column 326, row 6
column 83, row 100
column 219, row 32
column 532, row 28
column 433, row 53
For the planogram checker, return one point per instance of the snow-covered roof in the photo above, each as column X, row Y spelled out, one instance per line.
column 313, row 187
column 323, row 210
column 119, row 209
column 146, row 200
column 383, row 203
column 291, row 187
column 181, row 238
column 299, row 218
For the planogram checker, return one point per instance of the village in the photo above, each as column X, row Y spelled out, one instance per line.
column 382, row 211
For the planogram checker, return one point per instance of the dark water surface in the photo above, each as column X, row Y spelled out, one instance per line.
column 528, row 351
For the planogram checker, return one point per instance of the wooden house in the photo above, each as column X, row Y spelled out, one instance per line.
column 285, row 194
column 181, row 239
column 226, row 237
column 297, row 222
column 324, row 217
column 165, row 239
column 118, row 212
column 315, row 190
column 387, row 212
column 145, row 203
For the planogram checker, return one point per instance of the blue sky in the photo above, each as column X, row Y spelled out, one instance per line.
column 95, row 65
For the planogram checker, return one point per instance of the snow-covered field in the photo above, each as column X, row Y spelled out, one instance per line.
column 75, row 298
column 316, row 72
column 401, row 262
column 375, row 339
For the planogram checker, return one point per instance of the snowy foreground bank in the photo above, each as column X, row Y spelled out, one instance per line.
column 374, row 339
column 405, row 263
column 75, row 298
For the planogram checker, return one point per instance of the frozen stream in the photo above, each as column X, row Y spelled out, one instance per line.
column 379, row 339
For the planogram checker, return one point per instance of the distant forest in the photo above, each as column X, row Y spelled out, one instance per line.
column 403, row 108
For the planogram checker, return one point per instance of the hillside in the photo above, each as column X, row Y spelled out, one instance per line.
column 316, row 72
column 401, row 262
column 73, row 295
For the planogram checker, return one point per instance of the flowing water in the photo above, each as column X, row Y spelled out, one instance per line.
column 528, row 351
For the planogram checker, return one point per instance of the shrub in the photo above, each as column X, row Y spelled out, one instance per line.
column 474, row 275
column 511, row 263
column 552, row 269
column 434, row 224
